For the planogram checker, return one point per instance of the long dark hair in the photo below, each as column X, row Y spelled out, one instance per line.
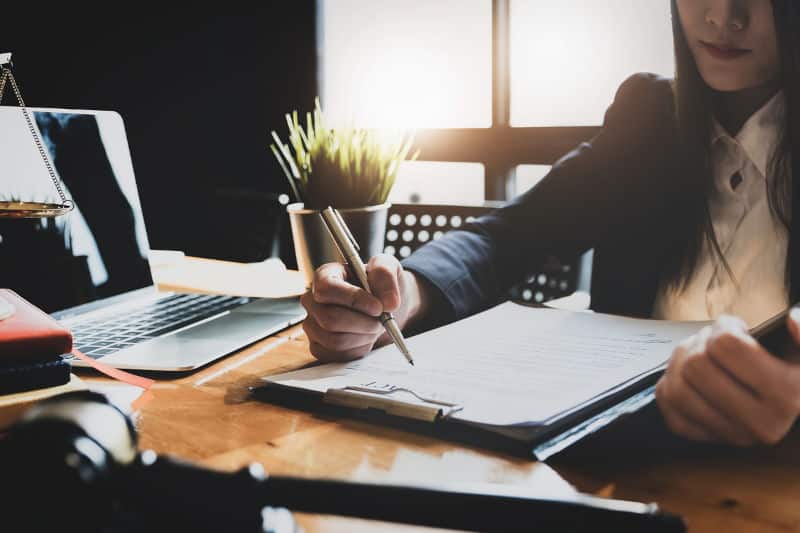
column 694, row 106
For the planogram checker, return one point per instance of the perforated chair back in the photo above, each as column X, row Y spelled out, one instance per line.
column 413, row 225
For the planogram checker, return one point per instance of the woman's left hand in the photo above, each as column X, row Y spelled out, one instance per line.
column 722, row 385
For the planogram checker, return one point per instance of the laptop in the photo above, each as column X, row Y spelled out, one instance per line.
column 90, row 269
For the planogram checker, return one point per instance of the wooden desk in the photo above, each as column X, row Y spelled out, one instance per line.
column 208, row 417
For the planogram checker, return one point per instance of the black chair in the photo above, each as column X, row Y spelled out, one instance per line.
column 412, row 225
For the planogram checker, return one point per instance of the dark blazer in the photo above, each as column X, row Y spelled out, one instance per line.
column 617, row 194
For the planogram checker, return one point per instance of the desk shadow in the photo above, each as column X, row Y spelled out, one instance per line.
column 157, row 375
column 240, row 391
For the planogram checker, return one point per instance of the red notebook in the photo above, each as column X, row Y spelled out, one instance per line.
column 28, row 333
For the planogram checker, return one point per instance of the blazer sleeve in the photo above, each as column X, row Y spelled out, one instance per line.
column 589, row 197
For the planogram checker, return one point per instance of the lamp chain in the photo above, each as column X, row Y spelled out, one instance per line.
column 7, row 75
column 3, row 79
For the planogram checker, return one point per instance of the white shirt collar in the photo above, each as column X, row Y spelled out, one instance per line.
column 759, row 135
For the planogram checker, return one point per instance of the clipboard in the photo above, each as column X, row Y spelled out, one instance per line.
column 433, row 419
column 486, row 380
column 379, row 401
column 374, row 395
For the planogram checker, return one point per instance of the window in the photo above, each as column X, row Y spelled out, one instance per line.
column 568, row 57
column 496, row 89
column 529, row 175
column 410, row 64
column 427, row 182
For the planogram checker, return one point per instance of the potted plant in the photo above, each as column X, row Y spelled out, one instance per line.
column 350, row 169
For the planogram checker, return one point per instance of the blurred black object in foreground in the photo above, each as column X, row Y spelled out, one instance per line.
column 73, row 462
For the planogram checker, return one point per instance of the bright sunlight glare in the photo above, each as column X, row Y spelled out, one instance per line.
column 568, row 57
column 407, row 64
column 427, row 64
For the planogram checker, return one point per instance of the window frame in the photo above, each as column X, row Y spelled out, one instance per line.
column 501, row 147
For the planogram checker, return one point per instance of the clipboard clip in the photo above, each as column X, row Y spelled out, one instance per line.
column 376, row 395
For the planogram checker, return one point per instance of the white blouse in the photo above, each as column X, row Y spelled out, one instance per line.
column 751, row 238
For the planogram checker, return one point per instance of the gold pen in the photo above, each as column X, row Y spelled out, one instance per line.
column 349, row 249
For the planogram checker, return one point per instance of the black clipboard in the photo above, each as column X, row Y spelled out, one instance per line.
column 620, row 407
column 539, row 444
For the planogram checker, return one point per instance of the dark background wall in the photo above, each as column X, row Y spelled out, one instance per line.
column 199, row 93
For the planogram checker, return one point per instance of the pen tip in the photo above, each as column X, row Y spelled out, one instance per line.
column 411, row 362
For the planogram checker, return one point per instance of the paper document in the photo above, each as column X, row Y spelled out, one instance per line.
column 512, row 364
column 267, row 279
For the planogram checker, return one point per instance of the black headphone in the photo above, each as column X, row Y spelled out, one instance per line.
column 72, row 462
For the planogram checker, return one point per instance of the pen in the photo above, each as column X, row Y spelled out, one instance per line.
column 349, row 248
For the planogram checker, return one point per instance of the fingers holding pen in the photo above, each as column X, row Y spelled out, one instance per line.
column 383, row 273
column 341, row 322
column 330, row 286
column 338, row 318
column 335, row 345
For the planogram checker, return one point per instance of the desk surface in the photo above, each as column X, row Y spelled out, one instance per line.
column 208, row 417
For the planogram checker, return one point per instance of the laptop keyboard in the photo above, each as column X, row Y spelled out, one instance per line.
column 111, row 333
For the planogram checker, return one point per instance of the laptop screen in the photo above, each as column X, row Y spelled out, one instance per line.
column 99, row 249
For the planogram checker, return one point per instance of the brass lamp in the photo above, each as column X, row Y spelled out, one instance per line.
column 23, row 209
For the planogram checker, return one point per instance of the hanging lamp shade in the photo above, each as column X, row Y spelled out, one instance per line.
column 21, row 208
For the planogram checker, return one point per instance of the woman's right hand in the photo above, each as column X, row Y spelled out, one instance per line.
column 342, row 322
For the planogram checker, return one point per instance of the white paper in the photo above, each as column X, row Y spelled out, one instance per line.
column 512, row 364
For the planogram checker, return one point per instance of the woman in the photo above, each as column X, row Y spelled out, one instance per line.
column 686, row 198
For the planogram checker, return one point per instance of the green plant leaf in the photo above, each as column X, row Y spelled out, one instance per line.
column 292, row 185
column 342, row 167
